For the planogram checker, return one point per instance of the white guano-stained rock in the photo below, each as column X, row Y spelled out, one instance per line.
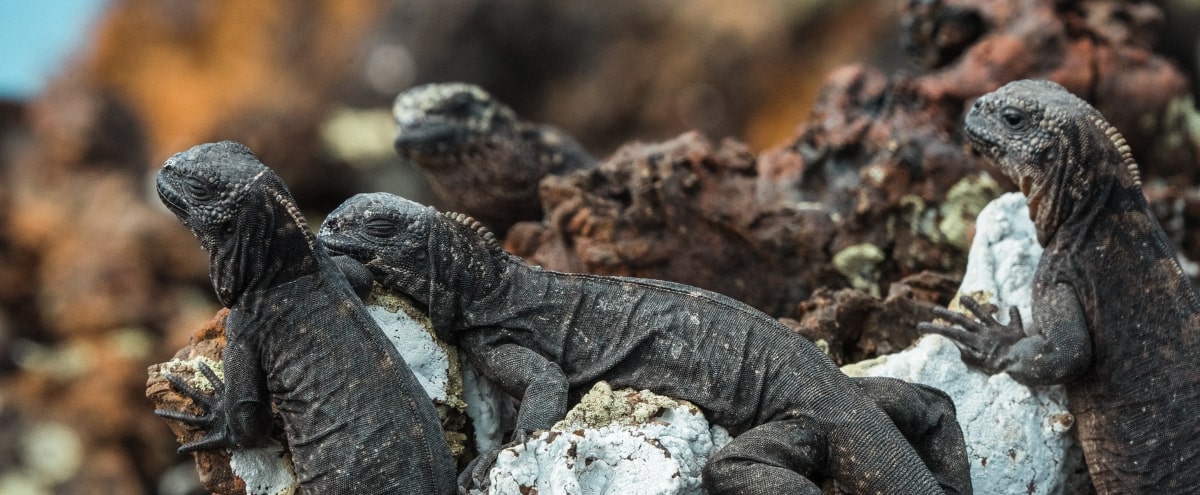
column 1018, row 438
column 613, row 442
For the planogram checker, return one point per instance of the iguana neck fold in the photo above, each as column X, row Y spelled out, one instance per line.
column 464, row 269
column 273, row 248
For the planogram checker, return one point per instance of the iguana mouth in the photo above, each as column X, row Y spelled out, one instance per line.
column 337, row 245
column 169, row 199
column 428, row 137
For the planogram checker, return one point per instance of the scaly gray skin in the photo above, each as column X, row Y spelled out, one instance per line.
column 1114, row 317
column 546, row 337
column 477, row 155
column 355, row 417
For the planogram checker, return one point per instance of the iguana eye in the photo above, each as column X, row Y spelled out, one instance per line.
column 380, row 227
column 196, row 189
column 1014, row 118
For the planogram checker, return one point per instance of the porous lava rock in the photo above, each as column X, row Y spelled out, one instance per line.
column 684, row 210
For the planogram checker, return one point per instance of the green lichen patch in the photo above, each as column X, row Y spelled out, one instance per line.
column 860, row 368
column 963, row 203
column 191, row 369
column 603, row 406
column 860, row 265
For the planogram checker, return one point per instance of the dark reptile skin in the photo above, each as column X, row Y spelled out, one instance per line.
column 356, row 419
column 1114, row 317
column 547, row 337
column 478, row 156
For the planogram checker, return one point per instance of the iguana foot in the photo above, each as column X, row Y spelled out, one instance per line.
column 475, row 476
column 212, row 420
column 983, row 343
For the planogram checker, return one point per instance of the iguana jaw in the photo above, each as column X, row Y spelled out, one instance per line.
column 340, row 245
column 985, row 146
column 427, row 137
column 170, row 198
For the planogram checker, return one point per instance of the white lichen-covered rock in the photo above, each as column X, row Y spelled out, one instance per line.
column 1018, row 438
column 613, row 442
column 448, row 379
column 265, row 470
column 1003, row 257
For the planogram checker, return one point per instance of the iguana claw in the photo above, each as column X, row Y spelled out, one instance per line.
column 476, row 474
column 212, row 420
column 984, row 342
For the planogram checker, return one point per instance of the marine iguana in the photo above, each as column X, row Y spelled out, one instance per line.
column 462, row 139
column 1114, row 317
column 547, row 336
column 356, row 419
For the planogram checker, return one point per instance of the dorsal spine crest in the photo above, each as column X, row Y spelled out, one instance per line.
column 1114, row 136
column 484, row 233
column 298, row 217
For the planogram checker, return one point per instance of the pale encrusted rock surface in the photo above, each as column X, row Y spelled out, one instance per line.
column 1018, row 438
column 613, row 442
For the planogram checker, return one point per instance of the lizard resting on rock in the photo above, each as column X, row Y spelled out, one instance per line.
column 547, row 336
column 477, row 155
column 1114, row 317
column 356, row 419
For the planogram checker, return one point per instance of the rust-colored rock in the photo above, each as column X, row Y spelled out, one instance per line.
column 206, row 344
column 857, row 326
column 893, row 174
column 1098, row 49
column 682, row 210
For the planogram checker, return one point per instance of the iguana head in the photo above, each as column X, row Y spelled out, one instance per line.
column 241, row 213
column 389, row 235
column 443, row 260
column 1053, row 145
column 448, row 118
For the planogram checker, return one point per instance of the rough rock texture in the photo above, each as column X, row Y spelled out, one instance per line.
column 466, row 402
column 207, row 344
column 875, row 189
column 879, row 171
column 684, row 210
column 1018, row 438
column 1003, row 257
column 434, row 362
column 852, row 325
column 97, row 283
column 475, row 413
column 890, row 170
column 613, row 442
column 1099, row 49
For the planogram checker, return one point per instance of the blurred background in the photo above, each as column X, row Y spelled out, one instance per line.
column 97, row 281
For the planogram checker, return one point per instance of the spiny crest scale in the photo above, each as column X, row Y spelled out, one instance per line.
column 1115, row 137
column 483, row 232
column 293, row 211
